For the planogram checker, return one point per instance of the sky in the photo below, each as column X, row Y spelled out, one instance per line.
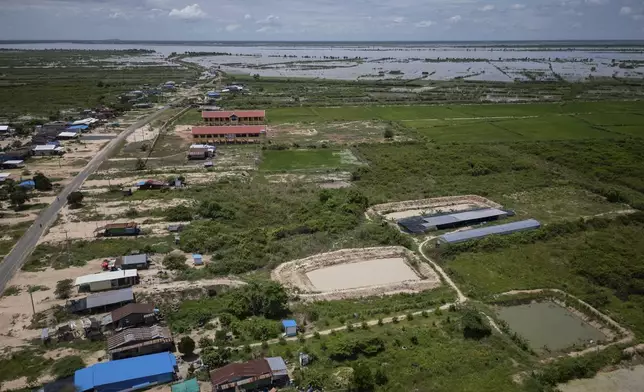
column 322, row 20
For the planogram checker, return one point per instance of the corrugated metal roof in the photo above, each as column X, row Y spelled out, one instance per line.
column 105, row 276
column 137, row 335
column 238, row 113
column 466, row 235
column 109, row 298
column 289, row 323
column 228, row 130
column 277, row 365
column 464, row 216
column 129, row 309
column 235, row 371
column 112, row 372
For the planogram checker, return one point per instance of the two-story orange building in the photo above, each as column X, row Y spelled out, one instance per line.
column 239, row 117
column 228, row 134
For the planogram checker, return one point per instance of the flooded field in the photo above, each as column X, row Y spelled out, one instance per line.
column 430, row 61
column 549, row 327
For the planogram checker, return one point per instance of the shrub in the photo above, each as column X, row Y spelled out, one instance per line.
column 474, row 327
column 410, row 316
column 175, row 261
column 394, row 320
column 75, row 199
column 316, row 335
column 205, row 342
column 186, row 345
column 66, row 366
column 42, row 183
column 64, row 288
column 179, row 213
column 380, row 323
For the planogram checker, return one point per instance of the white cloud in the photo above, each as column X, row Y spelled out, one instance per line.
column 263, row 29
column 424, row 23
column 625, row 11
column 398, row 19
column 232, row 27
column 487, row 7
column 518, row 6
column 638, row 17
column 115, row 15
column 596, row 2
column 189, row 12
column 247, row 16
column 270, row 20
column 455, row 19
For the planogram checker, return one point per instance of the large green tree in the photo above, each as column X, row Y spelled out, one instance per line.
column 362, row 378
column 42, row 183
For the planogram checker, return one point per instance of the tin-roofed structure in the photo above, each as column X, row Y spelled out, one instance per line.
column 134, row 342
column 474, row 234
column 421, row 224
column 107, row 280
column 139, row 261
column 127, row 374
column 132, row 315
column 251, row 375
column 101, row 301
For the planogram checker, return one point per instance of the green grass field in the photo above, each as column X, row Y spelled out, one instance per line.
column 483, row 123
column 300, row 159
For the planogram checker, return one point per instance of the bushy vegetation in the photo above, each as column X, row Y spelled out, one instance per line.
column 64, row 288
column 66, row 366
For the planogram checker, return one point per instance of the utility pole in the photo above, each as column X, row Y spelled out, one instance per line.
column 31, row 295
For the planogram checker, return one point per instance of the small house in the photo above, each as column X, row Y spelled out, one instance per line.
column 68, row 135
column 48, row 150
column 151, row 184
column 135, row 342
column 197, row 259
column 140, row 261
column 4, row 129
column 198, row 153
column 131, row 315
column 290, row 327
column 118, row 230
column 5, row 176
column 107, row 280
column 77, row 128
column 101, row 301
column 13, row 164
column 127, row 374
column 257, row 374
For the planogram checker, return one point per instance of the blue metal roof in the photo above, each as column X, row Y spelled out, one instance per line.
column 463, row 216
column 289, row 323
column 78, row 127
column 196, row 256
column 112, row 372
column 508, row 228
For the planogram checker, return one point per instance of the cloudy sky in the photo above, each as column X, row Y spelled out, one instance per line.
column 300, row 20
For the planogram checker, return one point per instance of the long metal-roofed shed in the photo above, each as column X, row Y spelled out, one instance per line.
column 474, row 234
column 107, row 280
column 101, row 301
column 127, row 374
column 451, row 220
column 131, row 315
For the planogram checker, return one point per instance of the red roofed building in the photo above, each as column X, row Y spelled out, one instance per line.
column 228, row 134
column 240, row 117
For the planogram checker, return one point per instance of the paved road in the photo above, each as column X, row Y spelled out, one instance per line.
column 23, row 248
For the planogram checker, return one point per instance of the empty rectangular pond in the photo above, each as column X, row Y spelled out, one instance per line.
column 361, row 274
column 548, row 326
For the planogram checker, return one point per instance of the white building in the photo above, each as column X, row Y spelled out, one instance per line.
column 107, row 280
column 47, row 150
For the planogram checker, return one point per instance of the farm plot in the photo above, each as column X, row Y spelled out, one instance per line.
column 553, row 128
column 306, row 159
column 350, row 273
column 332, row 133
column 463, row 131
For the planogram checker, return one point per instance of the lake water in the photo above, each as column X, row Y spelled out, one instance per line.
column 398, row 61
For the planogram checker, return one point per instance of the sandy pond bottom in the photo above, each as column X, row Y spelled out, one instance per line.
column 622, row 380
column 546, row 324
column 361, row 274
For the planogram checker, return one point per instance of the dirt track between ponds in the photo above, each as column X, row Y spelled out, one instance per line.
column 294, row 274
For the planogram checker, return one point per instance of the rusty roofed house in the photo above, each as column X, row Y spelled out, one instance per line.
column 228, row 134
column 134, row 342
column 131, row 315
column 251, row 375
column 240, row 117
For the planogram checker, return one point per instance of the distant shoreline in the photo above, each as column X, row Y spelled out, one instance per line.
column 524, row 44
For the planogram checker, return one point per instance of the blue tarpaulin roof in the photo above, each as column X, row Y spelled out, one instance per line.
column 507, row 228
column 187, row 386
column 113, row 372
column 77, row 127
column 28, row 183
column 196, row 256
column 289, row 323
